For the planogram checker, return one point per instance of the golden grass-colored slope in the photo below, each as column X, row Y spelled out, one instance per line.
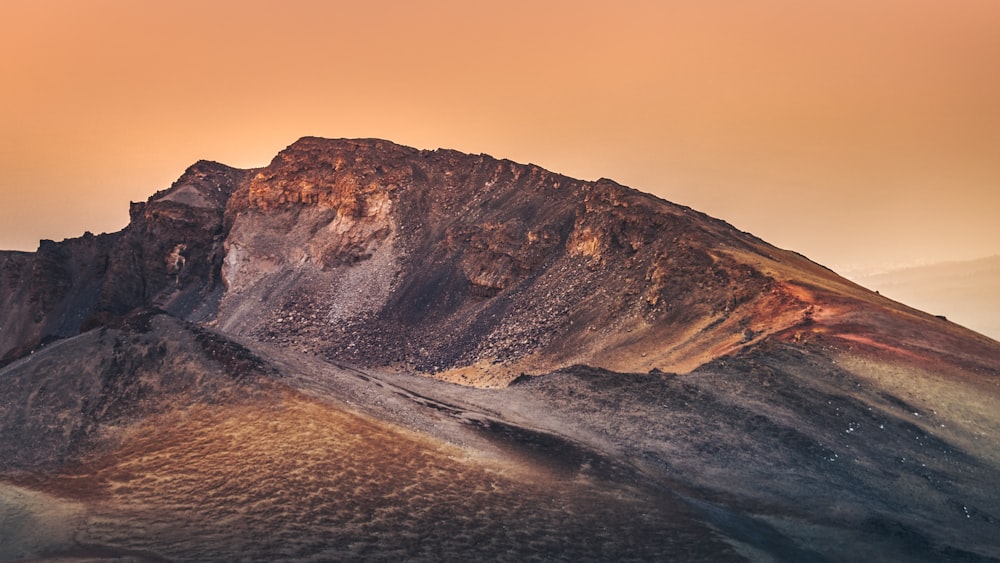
column 293, row 478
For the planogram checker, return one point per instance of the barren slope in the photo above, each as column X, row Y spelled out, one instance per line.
column 241, row 374
column 197, row 450
column 465, row 267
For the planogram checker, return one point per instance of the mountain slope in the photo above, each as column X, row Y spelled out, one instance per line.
column 242, row 373
column 463, row 266
column 443, row 261
column 966, row 292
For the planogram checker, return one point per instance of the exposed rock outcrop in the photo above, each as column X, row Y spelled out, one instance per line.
column 48, row 294
column 379, row 254
column 169, row 256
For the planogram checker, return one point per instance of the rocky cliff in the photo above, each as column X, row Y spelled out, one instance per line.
column 450, row 263
column 169, row 256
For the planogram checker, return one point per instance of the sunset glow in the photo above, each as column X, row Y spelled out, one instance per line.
column 858, row 133
column 643, row 280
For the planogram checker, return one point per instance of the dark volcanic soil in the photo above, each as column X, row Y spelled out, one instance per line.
column 772, row 454
column 296, row 479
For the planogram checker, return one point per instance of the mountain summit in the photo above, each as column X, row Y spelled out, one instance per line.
column 465, row 267
column 638, row 350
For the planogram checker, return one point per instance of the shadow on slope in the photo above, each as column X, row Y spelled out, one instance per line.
column 782, row 435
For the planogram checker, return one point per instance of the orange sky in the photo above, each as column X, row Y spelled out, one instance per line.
column 858, row 132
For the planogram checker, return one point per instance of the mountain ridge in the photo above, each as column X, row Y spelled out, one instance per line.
column 489, row 235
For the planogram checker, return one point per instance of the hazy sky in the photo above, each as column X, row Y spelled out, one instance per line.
column 859, row 132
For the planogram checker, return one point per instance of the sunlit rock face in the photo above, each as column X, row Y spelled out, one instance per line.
column 476, row 269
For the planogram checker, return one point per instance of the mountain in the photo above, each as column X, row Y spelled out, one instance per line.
column 966, row 291
column 263, row 365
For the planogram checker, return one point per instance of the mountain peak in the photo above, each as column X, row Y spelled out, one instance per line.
column 462, row 266
column 402, row 248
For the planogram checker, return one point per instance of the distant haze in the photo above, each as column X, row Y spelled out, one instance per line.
column 860, row 133
column 964, row 292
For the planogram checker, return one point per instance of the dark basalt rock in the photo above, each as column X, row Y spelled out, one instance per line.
column 168, row 257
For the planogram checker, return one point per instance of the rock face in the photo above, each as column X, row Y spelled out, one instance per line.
column 450, row 263
column 170, row 254
column 169, row 257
